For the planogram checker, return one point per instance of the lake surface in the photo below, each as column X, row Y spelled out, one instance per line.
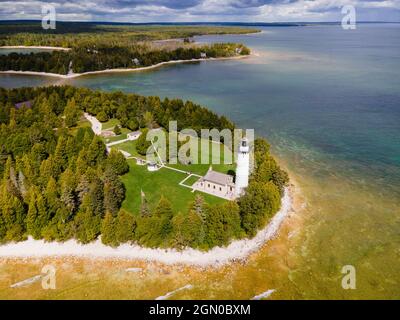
column 328, row 100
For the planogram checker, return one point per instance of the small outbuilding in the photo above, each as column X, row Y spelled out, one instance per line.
column 152, row 166
column 133, row 135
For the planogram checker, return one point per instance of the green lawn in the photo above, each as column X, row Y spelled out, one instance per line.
column 201, row 169
column 110, row 124
column 154, row 184
column 82, row 123
column 211, row 153
column 128, row 146
column 122, row 136
column 164, row 181
column 191, row 180
column 116, row 138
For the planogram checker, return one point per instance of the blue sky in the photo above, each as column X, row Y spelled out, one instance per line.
column 202, row 10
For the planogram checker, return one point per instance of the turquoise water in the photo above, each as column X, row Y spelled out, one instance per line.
column 335, row 93
column 328, row 100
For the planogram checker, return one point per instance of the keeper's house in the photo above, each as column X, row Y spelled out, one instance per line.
column 222, row 185
column 216, row 183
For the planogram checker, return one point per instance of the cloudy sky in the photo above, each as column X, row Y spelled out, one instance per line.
column 201, row 10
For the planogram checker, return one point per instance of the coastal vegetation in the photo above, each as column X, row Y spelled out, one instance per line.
column 98, row 47
column 59, row 182
column 86, row 34
column 103, row 57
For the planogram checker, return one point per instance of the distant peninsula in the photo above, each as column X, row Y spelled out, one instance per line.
column 114, row 48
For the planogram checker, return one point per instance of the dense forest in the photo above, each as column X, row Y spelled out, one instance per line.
column 58, row 181
column 87, row 34
column 100, row 57
column 99, row 46
column 78, row 34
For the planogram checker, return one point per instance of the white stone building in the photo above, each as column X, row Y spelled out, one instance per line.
column 221, row 184
column 216, row 183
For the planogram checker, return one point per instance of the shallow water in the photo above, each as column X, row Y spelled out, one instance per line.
column 328, row 100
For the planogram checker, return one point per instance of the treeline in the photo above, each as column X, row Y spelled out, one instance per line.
column 133, row 111
column 55, row 185
column 85, row 34
column 58, row 182
column 95, row 58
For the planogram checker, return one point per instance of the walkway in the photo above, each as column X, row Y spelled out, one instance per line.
column 117, row 142
column 96, row 124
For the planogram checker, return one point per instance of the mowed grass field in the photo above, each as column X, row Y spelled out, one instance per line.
column 155, row 184
column 199, row 168
column 191, row 180
column 165, row 182
column 128, row 146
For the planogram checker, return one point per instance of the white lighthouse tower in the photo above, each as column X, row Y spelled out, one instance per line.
column 243, row 167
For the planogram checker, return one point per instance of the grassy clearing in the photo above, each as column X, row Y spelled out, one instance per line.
column 155, row 184
column 214, row 159
column 191, row 180
column 121, row 136
column 82, row 123
column 114, row 139
column 128, row 146
column 110, row 124
column 201, row 169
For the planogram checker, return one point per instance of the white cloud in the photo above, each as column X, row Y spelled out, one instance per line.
column 198, row 10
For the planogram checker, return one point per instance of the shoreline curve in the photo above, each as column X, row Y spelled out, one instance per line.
column 237, row 250
column 154, row 66
column 36, row 47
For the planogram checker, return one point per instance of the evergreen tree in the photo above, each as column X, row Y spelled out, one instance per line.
column 87, row 223
column 144, row 208
column 3, row 228
column 60, row 160
column 148, row 119
column 258, row 204
column 108, row 234
column 68, row 195
column 71, row 113
column 31, row 218
column 198, row 206
column 96, row 152
column 142, row 145
column 117, row 130
column 126, row 225
column 163, row 211
column 117, row 162
column 52, row 197
column 114, row 192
